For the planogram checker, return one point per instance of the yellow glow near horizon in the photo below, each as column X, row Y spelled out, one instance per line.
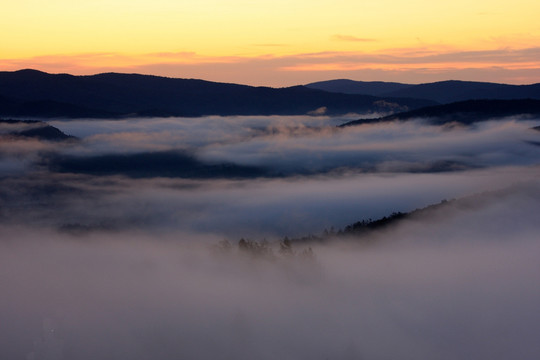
column 251, row 29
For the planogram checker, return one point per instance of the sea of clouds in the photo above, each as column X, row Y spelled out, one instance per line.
column 116, row 267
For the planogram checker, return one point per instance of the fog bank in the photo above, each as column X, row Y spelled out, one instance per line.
column 458, row 284
column 112, row 265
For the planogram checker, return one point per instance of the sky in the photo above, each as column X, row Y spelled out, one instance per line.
column 278, row 42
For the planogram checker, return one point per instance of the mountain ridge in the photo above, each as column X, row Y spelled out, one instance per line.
column 121, row 95
column 464, row 112
column 443, row 92
column 33, row 129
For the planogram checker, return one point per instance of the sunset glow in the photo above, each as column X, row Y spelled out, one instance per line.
column 277, row 42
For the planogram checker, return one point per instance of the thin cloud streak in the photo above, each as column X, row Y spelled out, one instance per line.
column 405, row 65
column 351, row 38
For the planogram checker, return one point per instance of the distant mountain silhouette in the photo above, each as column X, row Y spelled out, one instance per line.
column 48, row 109
column 35, row 93
column 465, row 112
column 442, row 92
column 345, row 86
column 33, row 129
column 453, row 91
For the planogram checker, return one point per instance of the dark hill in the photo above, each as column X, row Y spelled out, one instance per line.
column 465, row 112
column 49, row 109
column 366, row 231
column 345, row 86
column 442, row 92
column 32, row 129
column 113, row 94
column 453, row 91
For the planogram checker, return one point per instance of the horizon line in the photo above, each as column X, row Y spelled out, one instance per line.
column 276, row 87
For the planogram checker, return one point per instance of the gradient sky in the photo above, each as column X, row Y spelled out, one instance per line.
column 277, row 42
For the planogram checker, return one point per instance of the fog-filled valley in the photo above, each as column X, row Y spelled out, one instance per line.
column 122, row 242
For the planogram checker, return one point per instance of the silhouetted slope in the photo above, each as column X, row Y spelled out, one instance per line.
column 442, row 92
column 143, row 95
column 465, row 112
column 49, row 109
column 345, row 86
column 368, row 227
column 453, row 91
column 366, row 231
column 33, row 129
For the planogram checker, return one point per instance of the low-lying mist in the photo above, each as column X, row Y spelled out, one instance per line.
column 256, row 208
column 310, row 145
column 112, row 265
column 457, row 284
column 319, row 176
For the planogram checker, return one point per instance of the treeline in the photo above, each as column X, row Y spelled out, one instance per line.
column 358, row 231
column 361, row 231
column 286, row 249
column 264, row 249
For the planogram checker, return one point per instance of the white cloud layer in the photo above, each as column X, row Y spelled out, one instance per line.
column 112, row 267
column 462, row 284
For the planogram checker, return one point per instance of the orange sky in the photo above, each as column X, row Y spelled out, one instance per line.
column 278, row 42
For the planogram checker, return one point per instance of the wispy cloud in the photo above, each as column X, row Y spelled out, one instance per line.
column 350, row 38
column 270, row 45
column 415, row 64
